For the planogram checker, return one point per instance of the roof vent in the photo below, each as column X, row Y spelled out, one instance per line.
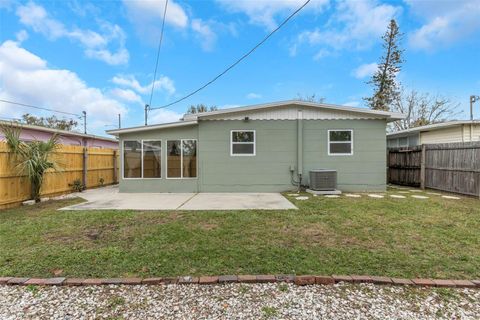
column 323, row 180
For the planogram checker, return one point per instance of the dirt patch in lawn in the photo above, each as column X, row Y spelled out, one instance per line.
column 319, row 234
column 315, row 232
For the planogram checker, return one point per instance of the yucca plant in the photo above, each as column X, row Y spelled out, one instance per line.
column 32, row 158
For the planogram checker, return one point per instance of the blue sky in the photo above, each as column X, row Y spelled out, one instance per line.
column 99, row 56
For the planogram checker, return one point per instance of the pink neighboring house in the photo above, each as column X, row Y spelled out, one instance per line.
column 31, row 132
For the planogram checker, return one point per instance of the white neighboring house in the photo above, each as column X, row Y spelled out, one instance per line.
column 445, row 132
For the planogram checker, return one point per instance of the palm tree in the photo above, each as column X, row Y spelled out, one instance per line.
column 33, row 158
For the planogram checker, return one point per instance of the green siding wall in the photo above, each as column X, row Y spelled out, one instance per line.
column 269, row 169
column 365, row 170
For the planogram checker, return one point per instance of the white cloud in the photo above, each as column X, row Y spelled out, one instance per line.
column 6, row 4
column 27, row 78
column 253, row 95
column 293, row 50
column 19, row 58
column 21, row 36
column 94, row 43
column 129, row 81
column 354, row 25
column 147, row 16
column 37, row 18
column 83, row 8
column 266, row 12
column 365, row 70
column 119, row 57
column 126, row 95
column 364, row 20
column 164, row 83
column 205, row 34
column 164, row 116
column 154, row 9
column 352, row 104
column 446, row 22
column 322, row 53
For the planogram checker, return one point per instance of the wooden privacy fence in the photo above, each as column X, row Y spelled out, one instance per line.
column 404, row 166
column 452, row 167
column 92, row 166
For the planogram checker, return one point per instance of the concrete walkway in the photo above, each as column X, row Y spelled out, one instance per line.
column 108, row 198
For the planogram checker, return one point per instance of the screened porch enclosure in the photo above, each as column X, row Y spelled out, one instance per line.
column 142, row 159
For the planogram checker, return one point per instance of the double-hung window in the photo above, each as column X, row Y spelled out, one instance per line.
column 340, row 142
column 142, row 159
column 242, row 143
column 182, row 158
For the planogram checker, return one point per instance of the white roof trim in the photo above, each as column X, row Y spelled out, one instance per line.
column 435, row 126
column 384, row 114
column 57, row 131
column 116, row 132
column 192, row 119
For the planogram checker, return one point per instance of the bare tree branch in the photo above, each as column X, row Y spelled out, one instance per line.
column 422, row 109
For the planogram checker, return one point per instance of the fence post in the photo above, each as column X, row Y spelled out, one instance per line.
column 422, row 168
column 478, row 185
column 115, row 169
column 85, row 169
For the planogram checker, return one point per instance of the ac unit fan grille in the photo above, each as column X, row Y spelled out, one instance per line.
column 323, row 180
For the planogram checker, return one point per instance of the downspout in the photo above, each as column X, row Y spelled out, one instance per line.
column 299, row 148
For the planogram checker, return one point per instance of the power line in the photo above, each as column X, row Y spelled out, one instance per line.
column 40, row 108
column 236, row 62
column 158, row 51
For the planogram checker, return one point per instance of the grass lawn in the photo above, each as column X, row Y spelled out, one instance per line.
column 394, row 237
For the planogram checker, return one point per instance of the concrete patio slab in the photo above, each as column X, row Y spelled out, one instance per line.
column 108, row 198
column 238, row 201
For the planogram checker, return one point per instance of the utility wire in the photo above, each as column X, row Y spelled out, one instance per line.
column 40, row 108
column 158, row 51
column 236, row 62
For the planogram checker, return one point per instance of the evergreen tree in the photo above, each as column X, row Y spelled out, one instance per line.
column 385, row 85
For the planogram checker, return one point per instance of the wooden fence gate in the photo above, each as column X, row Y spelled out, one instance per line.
column 452, row 167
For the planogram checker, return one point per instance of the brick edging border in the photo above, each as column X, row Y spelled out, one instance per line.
column 209, row 280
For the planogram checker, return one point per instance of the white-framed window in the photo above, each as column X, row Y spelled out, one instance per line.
column 182, row 159
column 242, row 143
column 340, row 142
column 142, row 159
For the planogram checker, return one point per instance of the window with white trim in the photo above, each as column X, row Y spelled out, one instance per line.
column 242, row 142
column 340, row 142
column 142, row 159
column 182, row 158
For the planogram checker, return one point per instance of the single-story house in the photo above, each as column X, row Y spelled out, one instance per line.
column 32, row 132
column 260, row 148
column 444, row 132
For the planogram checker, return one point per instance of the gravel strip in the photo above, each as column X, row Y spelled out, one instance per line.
column 238, row 301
